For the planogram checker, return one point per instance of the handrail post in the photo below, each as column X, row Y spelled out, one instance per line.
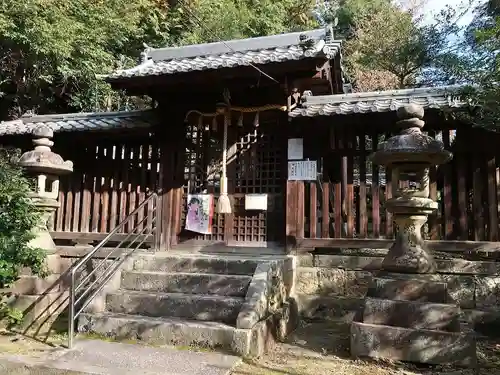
column 73, row 288
column 159, row 223
column 71, row 322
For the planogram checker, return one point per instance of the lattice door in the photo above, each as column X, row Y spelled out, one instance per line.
column 259, row 169
column 201, row 176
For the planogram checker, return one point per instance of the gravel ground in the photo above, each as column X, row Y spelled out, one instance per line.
column 322, row 348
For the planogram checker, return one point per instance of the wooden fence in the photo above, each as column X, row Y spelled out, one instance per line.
column 349, row 200
column 110, row 179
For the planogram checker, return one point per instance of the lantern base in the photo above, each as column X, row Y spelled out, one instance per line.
column 409, row 253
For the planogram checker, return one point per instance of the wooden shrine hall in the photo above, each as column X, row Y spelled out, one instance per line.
column 282, row 101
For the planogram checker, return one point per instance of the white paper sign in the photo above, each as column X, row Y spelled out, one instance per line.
column 256, row 202
column 295, row 148
column 302, row 170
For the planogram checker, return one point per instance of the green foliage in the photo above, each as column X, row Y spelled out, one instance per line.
column 214, row 20
column 475, row 62
column 18, row 217
column 51, row 50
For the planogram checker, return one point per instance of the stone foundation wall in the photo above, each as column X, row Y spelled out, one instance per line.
column 334, row 286
column 44, row 301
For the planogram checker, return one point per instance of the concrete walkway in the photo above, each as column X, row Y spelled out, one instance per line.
column 110, row 358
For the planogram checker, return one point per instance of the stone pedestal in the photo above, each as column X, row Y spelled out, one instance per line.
column 42, row 300
column 407, row 314
column 412, row 320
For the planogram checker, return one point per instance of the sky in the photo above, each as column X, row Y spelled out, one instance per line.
column 434, row 6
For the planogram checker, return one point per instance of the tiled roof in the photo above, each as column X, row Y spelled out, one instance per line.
column 233, row 53
column 382, row 101
column 79, row 122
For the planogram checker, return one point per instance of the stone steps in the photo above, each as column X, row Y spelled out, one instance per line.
column 408, row 290
column 412, row 345
column 190, row 306
column 159, row 330
column 186, row 282
column 408, row 314
column 179, row 299
column 207, row 265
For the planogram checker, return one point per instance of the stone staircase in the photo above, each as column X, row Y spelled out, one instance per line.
column 177, row 300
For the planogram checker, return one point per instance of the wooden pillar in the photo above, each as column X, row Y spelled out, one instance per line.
column 172, row 153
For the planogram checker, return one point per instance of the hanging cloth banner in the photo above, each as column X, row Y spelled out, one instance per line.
column 200, row 211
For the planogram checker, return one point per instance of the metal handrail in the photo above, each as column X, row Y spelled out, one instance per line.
column 108, row 273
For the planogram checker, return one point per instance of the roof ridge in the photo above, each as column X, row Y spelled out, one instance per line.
column 83, row 115
column 386, row 94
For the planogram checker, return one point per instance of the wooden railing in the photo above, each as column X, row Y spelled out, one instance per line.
column 351, row 203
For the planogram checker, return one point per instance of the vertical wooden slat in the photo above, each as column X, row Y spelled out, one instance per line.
column 96, row 199
column 141, row 188
column 433, row 221
column 291, row 214
column 351, row 148
column 62, row 206
column 375, row 192
column 300, row 209
column 340, row 186
column 153, row 182
column 325, row 211
column 313, row 203
column 133, row 185
column 77, row 202
column 125, row 161
column 492, row 200
column 447, row 192
column 461, row 169
column 462, row 198
column 68, row 210
column 389, row 227
column 434, row 218
column 115, row 186
column 363, row 218
column 86, row 199
column 477, row 200
column 106, row 179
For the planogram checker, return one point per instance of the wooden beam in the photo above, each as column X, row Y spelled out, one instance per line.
column 347, row 243
column 80, row 237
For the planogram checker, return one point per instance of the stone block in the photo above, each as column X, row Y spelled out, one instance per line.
column 357, row 283
column 307, row 281
column 41, row 312
column 413, row 345
column 349, row 262
column 408, row 290
column 332, row 281
column 193, row 283
column 460, row 290
column 410, row 314
column 328, row 308
column 289, row 269
column 306, row 260
column 191, row 306
column 149, row 262
column 33, row 285
column 487, row 290
column 468, row 267
column 256, row 302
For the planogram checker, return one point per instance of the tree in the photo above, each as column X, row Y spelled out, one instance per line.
column 215, row 20
column 484, row 39
column 474, row 63
column 18, row 217
column 385, row 45
column 52, row 50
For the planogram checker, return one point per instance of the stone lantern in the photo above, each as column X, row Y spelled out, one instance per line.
column 409, row 155
column 46, row 166
column 408, row 313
